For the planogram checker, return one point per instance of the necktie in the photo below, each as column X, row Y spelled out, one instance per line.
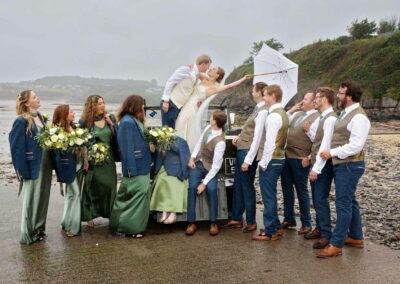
column 342, row 113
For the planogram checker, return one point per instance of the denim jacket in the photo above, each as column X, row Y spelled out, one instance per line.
column 134, row 149
column 26, row 153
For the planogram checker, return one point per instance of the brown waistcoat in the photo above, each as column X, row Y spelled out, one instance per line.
column 341, row 136
column 318, row 137
column 206, row 153
column 298, row 143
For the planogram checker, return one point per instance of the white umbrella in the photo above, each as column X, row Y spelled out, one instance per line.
column 272, row 67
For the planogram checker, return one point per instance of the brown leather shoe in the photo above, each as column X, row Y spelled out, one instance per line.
column 304, row 230
column 329, row 251
column 354, row 243
column 262, row 236
column 214, row 230
column 232, row 224
column 315, row 234
column 250, row 228
column 287, row 225
column 190, row 230
column 321, row 243
column 280, row 232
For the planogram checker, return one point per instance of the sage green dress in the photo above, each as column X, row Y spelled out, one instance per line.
column 71, row 220
column 100, row 182
column 132, row 205
column 36, row 195
column 169, row 193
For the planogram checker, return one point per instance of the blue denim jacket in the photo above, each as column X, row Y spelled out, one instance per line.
column 26, row 153
column 134, row 149
column 65, row 166
column 175, row 160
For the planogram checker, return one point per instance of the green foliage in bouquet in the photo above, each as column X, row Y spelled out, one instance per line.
column 53, row 138
column 162, row 137
column 98, row 154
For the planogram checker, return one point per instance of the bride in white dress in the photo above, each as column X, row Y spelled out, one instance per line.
column 188, row 123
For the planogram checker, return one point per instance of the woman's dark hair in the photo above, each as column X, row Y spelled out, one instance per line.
column 132, row 105
column 221, row 74
column 259, row 87
column 60, row 116
column 89, row 110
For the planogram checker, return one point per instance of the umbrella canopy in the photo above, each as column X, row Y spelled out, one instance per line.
column 272, row 67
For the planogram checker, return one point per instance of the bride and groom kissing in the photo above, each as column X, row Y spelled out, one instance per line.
column 185, row 90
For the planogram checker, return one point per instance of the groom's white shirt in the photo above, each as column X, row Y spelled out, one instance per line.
column 182, row 74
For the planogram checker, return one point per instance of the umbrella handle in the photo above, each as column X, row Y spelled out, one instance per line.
column 270, row 73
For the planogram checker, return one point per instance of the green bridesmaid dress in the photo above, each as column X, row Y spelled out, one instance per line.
column 71, row 220
column 100, row 182
column 36, row 195
column 132, row 205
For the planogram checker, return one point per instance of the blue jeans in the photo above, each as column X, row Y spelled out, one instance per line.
column 320, row 192
column 169, row 118
column 268, row 182
column 196, row 175
column 295, row 175
column 348, row 221
column 244, row 192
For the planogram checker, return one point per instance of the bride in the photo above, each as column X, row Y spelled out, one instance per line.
column 188, row 123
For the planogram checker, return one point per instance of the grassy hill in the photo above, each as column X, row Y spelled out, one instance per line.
column 373, row 62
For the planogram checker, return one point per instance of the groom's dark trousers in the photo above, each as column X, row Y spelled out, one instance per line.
column 169, row 117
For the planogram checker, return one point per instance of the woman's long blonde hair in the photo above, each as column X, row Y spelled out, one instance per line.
column 89, row 110
column 22, row 109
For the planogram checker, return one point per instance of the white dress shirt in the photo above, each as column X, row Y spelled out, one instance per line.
column 359, row 128
column 258, row 133
column 218, row 153
column 272, row 125
column 329, row 126
column 180, row 74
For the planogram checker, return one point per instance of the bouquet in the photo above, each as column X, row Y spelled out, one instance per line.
column 162, row 137
column 78, row 138
column 98, row 154
column 53, row 138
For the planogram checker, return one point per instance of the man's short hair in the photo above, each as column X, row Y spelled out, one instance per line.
column 203, row 59
column 353, row 90
column 274, row 90
column 220, row 118
column 327, row 93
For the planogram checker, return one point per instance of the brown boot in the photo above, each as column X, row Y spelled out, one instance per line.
column 315, row 234
column 262, row 236
column 250, row 228
column 321, row 243
column 287, row 225
column 354, row 243
column 232, row 224
column 304, row 230
column 329, row 251
column 190, row 230
column 214, row 230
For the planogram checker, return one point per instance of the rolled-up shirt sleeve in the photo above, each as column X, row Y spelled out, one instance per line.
column 359, row 128
column 217, row 161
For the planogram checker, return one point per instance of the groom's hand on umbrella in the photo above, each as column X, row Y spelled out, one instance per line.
column 165, row 106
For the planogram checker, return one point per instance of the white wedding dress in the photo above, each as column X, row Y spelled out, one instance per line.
column 189, row 123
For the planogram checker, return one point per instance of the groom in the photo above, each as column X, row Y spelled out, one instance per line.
column 179, row 87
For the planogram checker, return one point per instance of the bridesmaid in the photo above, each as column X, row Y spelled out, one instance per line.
column 171, row 184
column 132, row 205
column 67, row 165
column 33, row 166
column 100, row 182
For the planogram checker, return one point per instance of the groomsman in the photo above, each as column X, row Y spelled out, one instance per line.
column 205, row 163
column 321, row 174
column 272, row 162
column 248, row 145
column 179, row 87
column 297, row 165
column 349, row 137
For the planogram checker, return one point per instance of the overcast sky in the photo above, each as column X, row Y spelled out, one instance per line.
column 132, row 39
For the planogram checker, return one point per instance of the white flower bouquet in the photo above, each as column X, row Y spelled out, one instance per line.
column 98, row 154
column 53, row 138
column 78, row 138
column 162, row 137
